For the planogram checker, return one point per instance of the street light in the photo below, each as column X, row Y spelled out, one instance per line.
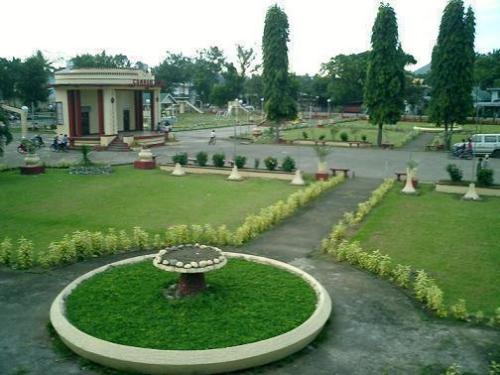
column 262, row 107
column 328, row 101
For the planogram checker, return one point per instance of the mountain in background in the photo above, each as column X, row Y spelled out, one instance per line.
column 423, row 70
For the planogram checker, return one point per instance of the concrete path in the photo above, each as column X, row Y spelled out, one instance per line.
column 419, row 143
column 375, row 327
column 365, row 162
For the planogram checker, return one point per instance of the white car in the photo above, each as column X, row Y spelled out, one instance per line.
column 485, row 144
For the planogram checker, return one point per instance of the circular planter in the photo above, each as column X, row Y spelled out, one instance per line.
column 154, row 361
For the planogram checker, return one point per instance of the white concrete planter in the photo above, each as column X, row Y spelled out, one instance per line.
column 244, row 173
column 145, row 155
column 211, row 361
column 459, row 189
column 32, row 159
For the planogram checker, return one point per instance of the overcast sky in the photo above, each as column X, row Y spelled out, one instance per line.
column 144, row 30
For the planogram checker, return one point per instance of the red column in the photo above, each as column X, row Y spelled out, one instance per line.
column 78, row 114
column 71, row 112
column 100, row 111
column 152, row 101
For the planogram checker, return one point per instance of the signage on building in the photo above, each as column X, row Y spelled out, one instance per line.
column 143, row 82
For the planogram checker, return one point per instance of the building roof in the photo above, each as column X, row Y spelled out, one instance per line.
column 105, row 77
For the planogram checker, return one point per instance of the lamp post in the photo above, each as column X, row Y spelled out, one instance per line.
column 262, row 107
column 328, row 101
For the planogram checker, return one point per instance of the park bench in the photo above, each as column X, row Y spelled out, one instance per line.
column 192, row 161
column 399, row 174
column 357, row 143
column 387, row 145
column 230, row 163
column 335, row 170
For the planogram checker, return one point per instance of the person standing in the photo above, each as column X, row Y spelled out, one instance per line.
column 211, row 141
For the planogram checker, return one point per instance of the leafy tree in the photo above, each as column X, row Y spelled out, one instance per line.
column 279, row 103
column 229, row 89
column 174, row 69
column 346, row 75
column 5, row 135
column 385, row 80
column 101, row 60
column 33, row 79
column 207, row 68
column 246, row 58
column 452, row 68
column 10, row 71
column 487, row 69
column 254, row 89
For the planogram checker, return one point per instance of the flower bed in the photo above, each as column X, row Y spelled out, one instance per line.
column 90, row 170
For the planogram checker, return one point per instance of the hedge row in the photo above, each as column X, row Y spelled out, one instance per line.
column 84, row 244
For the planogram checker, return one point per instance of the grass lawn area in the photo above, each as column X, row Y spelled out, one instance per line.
column 395, row 134
column 245, row 302
column 207, row 120
column 43, row 208
column 455, row 241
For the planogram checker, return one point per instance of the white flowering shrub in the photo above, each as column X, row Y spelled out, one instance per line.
column 111, row 242
column 158, row 242
column 124, row 241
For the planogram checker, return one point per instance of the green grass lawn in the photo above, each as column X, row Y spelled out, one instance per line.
column 396, row 134
column 43, row 208
column 245, row 302
column 455, row 241
column 206, row 120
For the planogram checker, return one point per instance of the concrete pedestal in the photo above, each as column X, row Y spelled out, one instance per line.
column 32, row 169
column 144, row 164
column 323, row 176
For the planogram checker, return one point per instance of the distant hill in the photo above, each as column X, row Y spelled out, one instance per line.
column 423, row 70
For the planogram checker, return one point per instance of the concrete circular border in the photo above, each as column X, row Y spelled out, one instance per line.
column 210, row 361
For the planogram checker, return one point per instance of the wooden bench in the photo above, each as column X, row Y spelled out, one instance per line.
column 192, row 161
column 357, row 143
column 230, row 163
column 399, row 174
column 434, row 147
column 387, row 145
column 335, row 170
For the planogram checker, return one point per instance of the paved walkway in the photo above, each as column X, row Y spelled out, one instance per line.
column 375, row 327
column 366, row 162
column 419, row 143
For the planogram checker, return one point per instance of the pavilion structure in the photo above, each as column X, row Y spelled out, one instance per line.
column 102, row 107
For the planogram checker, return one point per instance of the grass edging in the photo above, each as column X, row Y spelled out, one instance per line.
column 418, row 282
column 81, row 245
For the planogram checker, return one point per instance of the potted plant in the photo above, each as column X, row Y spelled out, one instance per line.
column 322, row 151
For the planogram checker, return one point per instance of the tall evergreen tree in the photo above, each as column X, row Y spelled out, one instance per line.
column 385, row 80
column 452, row 67
column 279, row 103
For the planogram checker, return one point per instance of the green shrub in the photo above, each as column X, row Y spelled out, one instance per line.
column 240, row 161
column 201, row 158
column 271, row 163
column 401, row 275
column 218, row 160
column 305, row 135
column 24, row 255
column 322, row 137
column 364, row 138
column 181, row 158
column 485, row 177
column 140, row 238
column 288, row 164
column 344, row 136
column 454, row 172
column 459, row 310
column 6, row 252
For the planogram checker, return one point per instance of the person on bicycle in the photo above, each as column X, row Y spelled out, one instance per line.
column 211, row 141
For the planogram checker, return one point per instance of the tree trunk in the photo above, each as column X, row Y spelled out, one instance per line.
column 191, row 283
column 277, row 127
column 379, row 135
column 447, row 137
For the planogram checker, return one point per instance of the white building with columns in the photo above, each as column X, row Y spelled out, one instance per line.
column 100, row 106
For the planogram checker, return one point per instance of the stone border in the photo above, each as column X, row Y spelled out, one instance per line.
column 458, row 189
column 227, row 171
column 211, row 361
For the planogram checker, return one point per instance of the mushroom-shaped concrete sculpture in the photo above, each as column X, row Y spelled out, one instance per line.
column 191, row 261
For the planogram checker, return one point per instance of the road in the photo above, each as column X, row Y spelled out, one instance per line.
column 365, row 162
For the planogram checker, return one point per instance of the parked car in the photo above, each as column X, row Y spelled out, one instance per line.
column 485, row 144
